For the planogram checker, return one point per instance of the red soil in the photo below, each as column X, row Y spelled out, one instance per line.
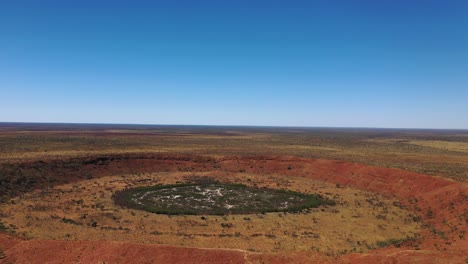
column 441, row 204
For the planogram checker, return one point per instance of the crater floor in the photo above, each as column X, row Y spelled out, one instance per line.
column 216, row 199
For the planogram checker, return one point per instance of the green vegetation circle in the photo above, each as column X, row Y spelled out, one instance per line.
column 215, row 199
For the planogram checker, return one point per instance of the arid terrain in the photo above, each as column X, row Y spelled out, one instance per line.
column 400, row 196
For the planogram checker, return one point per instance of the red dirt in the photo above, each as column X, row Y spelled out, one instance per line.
column 441, row 242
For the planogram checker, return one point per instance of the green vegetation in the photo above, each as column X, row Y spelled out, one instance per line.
column 3, row 227
column 394, row 242
column 215, row 199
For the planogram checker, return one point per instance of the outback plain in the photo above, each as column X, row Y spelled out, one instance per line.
column 137, row 193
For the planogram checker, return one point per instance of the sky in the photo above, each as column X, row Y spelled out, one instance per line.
column 388, row 63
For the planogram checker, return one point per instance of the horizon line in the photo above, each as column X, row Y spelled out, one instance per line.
column 232, row 125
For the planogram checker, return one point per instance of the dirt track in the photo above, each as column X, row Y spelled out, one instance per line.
column 443, row 241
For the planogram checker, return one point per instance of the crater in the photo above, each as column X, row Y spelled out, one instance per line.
column 86, row 210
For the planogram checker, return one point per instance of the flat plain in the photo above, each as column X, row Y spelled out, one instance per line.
column 399, row 195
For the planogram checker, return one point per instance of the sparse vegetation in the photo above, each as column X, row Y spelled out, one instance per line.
column 441, row 153
column 65, row 180
column 3, row 228
column 394, row 242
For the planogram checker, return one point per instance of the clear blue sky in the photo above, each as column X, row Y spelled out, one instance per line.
column 289, row 63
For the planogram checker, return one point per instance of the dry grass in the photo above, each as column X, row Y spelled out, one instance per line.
column 443, row 145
